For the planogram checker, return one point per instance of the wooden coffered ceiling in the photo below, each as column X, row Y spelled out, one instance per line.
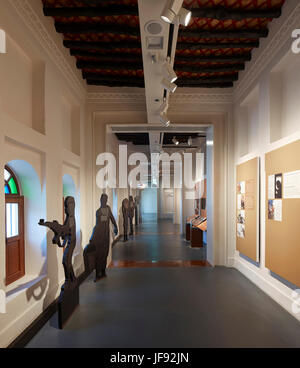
column 104, row 36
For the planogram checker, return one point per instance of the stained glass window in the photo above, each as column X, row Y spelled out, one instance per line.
column 10, row 182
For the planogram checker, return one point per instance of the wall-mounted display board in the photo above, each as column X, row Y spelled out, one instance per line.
column 201, row 194
column 247, row 211
column 283, row 212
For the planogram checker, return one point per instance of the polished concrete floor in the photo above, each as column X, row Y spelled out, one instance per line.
column 171, row 307
column 157, row 242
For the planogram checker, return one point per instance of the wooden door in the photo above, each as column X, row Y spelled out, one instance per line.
column 15, row 253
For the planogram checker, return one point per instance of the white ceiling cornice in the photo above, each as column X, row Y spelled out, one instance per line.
column 178, row 98
column 280, row 32
column 36, row 22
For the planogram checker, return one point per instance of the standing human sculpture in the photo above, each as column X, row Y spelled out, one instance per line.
column 98, row 248
column 131, row 214
column 68, row 300
column 67, row 233
column 125, row 212
column 136, row 210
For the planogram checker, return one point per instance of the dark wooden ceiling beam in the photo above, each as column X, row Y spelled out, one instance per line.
column 91, row 11
column 219, row 13
column 115, row 83
column 106, row 56
column 236, row 34
column 138, row 65
column 209, row 68
column 211, row 46
column 116, row 65
column 85, row 45
column 179, row 82
column 104, row 65
column 84, row 28
column 214, row 58
column 222, row 13
column 142, row 85
column 120, row 58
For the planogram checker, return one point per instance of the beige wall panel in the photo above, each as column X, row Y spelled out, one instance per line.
column 283, row 238
column 248, row 172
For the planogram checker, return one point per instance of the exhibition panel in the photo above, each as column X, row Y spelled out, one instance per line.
column 282, row 212
column 247, row 209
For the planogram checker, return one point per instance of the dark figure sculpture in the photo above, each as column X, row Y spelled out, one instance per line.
column 125, row 211
column 131, row 214
column 98, row 248
column 69, row 296
column 136, row 210
column 66, row 232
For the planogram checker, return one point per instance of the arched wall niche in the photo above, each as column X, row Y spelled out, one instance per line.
column 34, row 210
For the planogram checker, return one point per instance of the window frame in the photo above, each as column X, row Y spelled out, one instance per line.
column 20, row 238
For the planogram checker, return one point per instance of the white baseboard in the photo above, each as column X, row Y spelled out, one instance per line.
column 272, row 287
column 230, row 262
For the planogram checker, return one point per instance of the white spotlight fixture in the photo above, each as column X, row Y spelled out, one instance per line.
column 168, row 72
column 175, row 141
column 164, row 107
column 190, row 141
column 164, row 119
column 171, row 87
column 185, row 17
column 174, row 13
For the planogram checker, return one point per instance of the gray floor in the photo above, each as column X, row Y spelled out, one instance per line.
column 171, row 307
column 157, row 242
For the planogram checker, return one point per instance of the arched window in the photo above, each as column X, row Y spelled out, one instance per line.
column 14, row 215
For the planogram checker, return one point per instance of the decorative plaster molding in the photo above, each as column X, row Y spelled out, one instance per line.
column 116, row 98
column 215, row 98
column 177, row 98
column 278, row 36
column 35, row 23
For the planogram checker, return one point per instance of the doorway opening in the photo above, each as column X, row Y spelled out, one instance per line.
column 162, row 233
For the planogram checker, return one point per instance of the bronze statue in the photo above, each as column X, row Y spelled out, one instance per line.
column 98, row 248
column 125, row 211
column 67, row 233
column 69, row 296
column 131, row 214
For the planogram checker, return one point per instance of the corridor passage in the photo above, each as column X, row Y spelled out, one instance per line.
column 161, row 294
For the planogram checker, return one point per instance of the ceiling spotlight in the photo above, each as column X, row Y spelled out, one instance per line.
column 169, row 73
column 164, row 119
column 175, row 141
column 190, row 141
column 171, row 87
column 185, row 17
column 164, row 107
column 171, row 10
column 174, row 13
